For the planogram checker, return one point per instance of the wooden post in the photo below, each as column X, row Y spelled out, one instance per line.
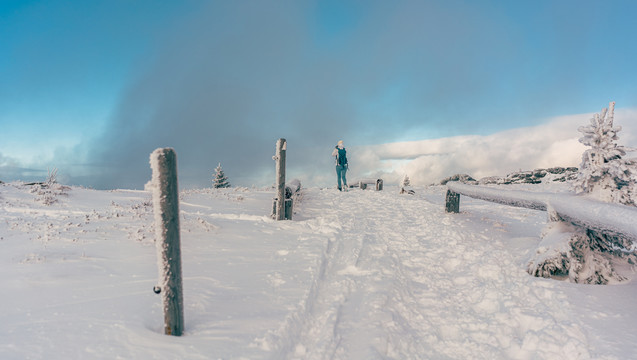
column 166, row 208
column 379, row 184
column 281, row 147
column 452, row 202
column 288, row 209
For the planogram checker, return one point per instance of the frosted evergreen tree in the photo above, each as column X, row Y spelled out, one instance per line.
column 605, row 173
column 220, row 180
column 406, row 181
column 405, row 186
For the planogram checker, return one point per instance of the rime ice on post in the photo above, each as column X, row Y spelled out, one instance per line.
column 281, row 146
column 452, row 202
column 163, row 162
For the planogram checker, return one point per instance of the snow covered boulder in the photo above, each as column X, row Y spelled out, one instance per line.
column 463, row 178
column 561, row 174
column 537, row 176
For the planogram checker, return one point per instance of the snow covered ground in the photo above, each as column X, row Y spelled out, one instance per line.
column 355, row 275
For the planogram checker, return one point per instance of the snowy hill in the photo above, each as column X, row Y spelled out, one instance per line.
column 355, row 275
column 537, row 176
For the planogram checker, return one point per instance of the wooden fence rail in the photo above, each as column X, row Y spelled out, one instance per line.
column 611, row 219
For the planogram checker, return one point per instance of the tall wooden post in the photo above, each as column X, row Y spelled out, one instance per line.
column 452, row 202
column 166, row 208
column 281, row 147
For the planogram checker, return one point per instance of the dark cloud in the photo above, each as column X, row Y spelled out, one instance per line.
column 223, row 90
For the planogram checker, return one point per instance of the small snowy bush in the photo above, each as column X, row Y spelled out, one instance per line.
column 577, row 254
column 48, row 191
column 220, row 180
column 52, row 177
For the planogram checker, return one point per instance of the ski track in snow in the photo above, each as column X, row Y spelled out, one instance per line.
column 402, row 279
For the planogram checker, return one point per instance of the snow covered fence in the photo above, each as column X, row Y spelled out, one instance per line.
column 517, row 198
column 377, row 183
column 610, row 219
column 163, row 162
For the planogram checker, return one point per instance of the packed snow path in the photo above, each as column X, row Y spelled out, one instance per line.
column 401, row 279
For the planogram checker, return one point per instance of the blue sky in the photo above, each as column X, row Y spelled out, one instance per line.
column 92, row 87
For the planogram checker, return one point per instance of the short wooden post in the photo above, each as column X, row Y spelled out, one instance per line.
column 452, row 202
column 379, row 184
column 166, row 208
column 281, row 147
column 288, row 209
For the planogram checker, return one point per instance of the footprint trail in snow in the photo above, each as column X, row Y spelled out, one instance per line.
column 401, row 279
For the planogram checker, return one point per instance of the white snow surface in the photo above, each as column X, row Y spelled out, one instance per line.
column 355, row 275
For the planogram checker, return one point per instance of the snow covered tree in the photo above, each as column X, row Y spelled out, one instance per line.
column 406, row 181
column 220, row 180
column 605, row 174
column 405, row 186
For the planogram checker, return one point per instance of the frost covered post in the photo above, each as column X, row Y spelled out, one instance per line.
column 163, row 162
column 452, row 202
column 281, row 147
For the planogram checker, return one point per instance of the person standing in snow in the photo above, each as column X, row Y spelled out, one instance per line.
column 341, row 164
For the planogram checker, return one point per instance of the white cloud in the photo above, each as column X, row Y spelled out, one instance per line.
column 6, row 161
column 12, row 169
column 554, row 143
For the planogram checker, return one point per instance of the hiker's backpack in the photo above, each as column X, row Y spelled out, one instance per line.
column 342, row 158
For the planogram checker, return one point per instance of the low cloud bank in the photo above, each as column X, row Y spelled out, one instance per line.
column 554, row 143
